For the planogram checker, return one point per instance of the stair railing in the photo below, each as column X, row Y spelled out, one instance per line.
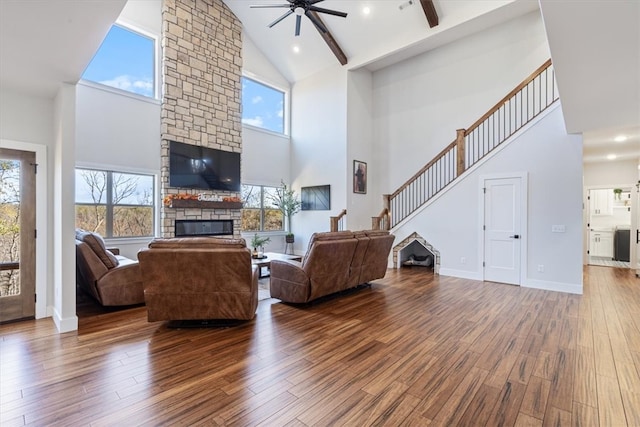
column 526, row 101
column 337, row 222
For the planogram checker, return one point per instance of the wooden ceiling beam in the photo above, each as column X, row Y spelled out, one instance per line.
column 330, row 40
column 430, row 12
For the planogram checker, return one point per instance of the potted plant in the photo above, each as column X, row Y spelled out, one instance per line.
column 617, row 192
column 258, row 242
column 287, row 201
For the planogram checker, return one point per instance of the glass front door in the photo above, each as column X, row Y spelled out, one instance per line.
column 17, row 234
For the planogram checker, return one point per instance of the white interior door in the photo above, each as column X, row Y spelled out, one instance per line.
column 502, row 230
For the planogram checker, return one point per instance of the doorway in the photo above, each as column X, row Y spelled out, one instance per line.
column 17, row 234
column 609, row 226
column 503, row 218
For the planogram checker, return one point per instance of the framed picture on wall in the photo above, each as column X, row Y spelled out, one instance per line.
column 316, row 198
column 359, row 177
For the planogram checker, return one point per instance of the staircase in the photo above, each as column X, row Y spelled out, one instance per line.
column 524, row 103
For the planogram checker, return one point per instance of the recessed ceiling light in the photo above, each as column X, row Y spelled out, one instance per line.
column 366, row 10
column 611, row 157
column 620, row 138
column 296, row 49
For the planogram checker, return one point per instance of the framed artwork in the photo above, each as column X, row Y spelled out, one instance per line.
column 359, row 177
column 316, row 198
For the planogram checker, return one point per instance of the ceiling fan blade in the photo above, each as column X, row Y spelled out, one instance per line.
column 281, row 18
column 298, row 20
column 262, row 6
column 328, row 11
column 310, row 2
column 317, row 23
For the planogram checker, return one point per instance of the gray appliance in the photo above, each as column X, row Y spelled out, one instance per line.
column 621, row 244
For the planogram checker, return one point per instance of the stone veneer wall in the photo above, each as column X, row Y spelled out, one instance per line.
column 201, row 102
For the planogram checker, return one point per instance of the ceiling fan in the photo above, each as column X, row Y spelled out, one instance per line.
column 303, row 7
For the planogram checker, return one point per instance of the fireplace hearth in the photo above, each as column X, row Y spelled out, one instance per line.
column 201, row 227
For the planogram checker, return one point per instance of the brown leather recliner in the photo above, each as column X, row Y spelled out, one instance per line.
column 334, row 261
column 198, row 278
column 112, row 280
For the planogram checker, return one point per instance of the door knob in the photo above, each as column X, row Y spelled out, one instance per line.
column 515, row 236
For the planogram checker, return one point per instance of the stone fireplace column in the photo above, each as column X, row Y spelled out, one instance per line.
column 201, row 101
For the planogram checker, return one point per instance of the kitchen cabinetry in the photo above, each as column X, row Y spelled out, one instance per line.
column 601, row 244
column 601, row 201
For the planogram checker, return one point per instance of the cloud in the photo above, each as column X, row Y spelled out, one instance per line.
column 280, row 113
column 256, row 99
column 131, row 84
column 256, row 121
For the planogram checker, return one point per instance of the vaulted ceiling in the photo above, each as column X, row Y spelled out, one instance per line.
column 595, row 46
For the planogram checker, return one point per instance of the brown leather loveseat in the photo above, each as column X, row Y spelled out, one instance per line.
column 113, row 280
column 198, row 278
column 334, row 261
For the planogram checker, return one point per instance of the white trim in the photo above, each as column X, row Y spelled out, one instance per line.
column 120, row 92
column 463, row 274
column 65, row 325
column 553, row 286
column 524, row 222
column 42, row 261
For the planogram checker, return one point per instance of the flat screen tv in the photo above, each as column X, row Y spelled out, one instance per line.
column 192, row 166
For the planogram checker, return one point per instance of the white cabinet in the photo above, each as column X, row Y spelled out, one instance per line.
column 601, row 202
column 601, row 244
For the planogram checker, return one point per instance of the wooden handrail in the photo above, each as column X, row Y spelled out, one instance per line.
column 471, row 145
column 335, row 220
column 500, row 103
column 424, row 168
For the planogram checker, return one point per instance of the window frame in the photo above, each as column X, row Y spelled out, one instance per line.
column 155, row 68
column 285, row 107
column 263, row 208
column 110, row 206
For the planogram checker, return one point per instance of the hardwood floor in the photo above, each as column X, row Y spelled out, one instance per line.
column 411, row 350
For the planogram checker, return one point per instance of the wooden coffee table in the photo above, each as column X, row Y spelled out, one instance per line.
column 270, row 256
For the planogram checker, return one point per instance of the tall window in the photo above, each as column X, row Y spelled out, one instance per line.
column 262, row 106
column 115, row 204
column 258, row 213
column 125, row 60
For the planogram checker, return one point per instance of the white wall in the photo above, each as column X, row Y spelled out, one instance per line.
column 115, row 129
column 552, row 161
column 64, row 270
column 265, row 155
column 611, row 173
column 319, row 146
column 419, row 103
column 361, row 207
column 118, row 131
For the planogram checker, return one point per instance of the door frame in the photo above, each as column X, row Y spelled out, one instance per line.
column 42, row 309
column 586, row 220
column 524, row 196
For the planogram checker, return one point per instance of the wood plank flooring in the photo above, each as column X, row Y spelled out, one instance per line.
column 412, row 350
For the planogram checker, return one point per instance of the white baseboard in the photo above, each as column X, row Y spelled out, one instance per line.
column 463, row 274
column 65, row 325
column 554, row 286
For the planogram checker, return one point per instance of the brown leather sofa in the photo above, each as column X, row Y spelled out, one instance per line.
column 334, row 261
column 113, row 280
column 198, row 278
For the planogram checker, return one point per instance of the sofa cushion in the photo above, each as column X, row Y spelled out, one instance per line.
column 197, row 242
column 96, row 243
column 328, row 235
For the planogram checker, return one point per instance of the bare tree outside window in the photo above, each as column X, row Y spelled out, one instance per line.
column 114, row 204
column 9, row 225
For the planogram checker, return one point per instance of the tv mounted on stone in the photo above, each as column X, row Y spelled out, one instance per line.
column 194, row 166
